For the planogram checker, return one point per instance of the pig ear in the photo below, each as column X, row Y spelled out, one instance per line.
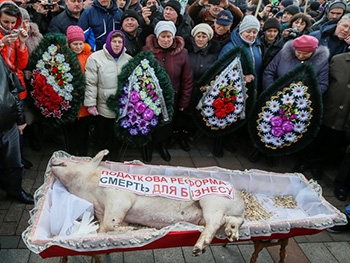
column 98, row 158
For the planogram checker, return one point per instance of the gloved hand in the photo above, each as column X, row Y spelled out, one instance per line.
column 92, row 110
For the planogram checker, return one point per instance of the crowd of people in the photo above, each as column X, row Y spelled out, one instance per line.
column 186, row 38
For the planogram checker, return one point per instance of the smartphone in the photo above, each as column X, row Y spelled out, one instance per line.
column 15, row 32
column 153, row 9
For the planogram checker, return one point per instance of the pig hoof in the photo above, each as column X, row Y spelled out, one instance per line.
column 196, row 251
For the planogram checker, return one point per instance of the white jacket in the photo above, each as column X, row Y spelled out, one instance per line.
column 102, row 79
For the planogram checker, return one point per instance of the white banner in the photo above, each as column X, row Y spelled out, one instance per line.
column 174, row 187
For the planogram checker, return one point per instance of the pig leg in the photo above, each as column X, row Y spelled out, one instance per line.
column 232, row 225
column 213, row 221
column 114, row 215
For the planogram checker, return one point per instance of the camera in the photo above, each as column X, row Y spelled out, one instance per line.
column 49, row 5
column 293, row 33
column 275, row 9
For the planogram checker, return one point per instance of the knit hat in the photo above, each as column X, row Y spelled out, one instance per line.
column 249, row 22
column 75, row 33
column 292, row 9
column 272, row 22
column 109, row 46
column 130, row 13
column 337, row 4
column 204, row 28
column 224, row 18
column 162, row 26
column 314, row 6
column 175, row 5
column 305, row 43
column 286, row 3
column 25, row 14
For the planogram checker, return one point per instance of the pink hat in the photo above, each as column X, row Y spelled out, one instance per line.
column 305, row 43
column 75, row 33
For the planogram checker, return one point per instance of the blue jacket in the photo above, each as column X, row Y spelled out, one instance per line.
column 97, row 21
column 327, row 38
column 254, row 50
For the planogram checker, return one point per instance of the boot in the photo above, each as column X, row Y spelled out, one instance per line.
column 164, row 152
column 182, row 141
column 147, row 152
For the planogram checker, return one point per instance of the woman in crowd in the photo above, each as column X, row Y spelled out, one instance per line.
column 169, row 50
column 102, row 70
column 77, row 132
column 203, row 51
column 303, row 49
column 298, row 25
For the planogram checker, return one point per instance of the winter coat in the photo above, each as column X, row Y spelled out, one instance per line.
column 102, row 79
column 11, row 111
column 133, row 44
column 336, row 100
column 269, row 51
column 176, row 63
column 327, row 38
column 254, row 50
column 82, row 57
column 15, row 58
column 286, row 60
column 61, row 22
column 201, row 59
column 98, row 21
column 34, row 37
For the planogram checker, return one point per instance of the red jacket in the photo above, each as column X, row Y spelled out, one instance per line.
column 82, row 57
column 15, row 58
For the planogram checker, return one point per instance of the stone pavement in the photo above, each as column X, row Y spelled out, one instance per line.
column 323, row 247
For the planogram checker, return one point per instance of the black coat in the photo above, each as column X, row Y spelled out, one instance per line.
column 61, row 22
column 201, row 59
column 11, row 111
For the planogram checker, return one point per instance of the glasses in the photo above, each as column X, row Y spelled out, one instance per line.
column 76, row 1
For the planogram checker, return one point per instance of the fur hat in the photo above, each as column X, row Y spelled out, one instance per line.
column 305, row 43
column 337, row 4
column 75, row 33
column 175, row 5
column 25, row 14
column 224, row 18
column 204, row 28
column 272, row 22
column 249, row 22
column 162, row 26
column 130, row 13
column 292, row 9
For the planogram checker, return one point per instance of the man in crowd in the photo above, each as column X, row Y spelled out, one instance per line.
column 68, row 17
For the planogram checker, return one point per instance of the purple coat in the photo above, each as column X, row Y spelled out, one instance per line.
column 286, row 60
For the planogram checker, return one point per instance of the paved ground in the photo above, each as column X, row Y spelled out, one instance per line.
column 323, row 247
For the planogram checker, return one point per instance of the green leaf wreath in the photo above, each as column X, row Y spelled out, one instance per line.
column 228, row 103
column 57, row 82
column 288, row 114
column 144, row 100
